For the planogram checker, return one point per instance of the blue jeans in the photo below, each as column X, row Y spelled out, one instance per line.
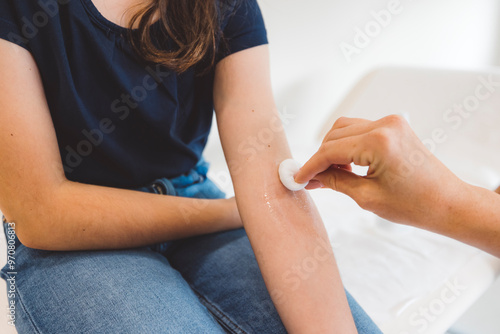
column 204, row 284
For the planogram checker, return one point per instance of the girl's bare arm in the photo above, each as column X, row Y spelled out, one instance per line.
column 284, row 228
column 53, row 213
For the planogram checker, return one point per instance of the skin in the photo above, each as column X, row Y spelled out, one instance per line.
column 284, row 228
column 405, row 182
column 119, row 12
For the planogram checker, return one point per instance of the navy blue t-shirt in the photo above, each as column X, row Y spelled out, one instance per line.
column 120, row 121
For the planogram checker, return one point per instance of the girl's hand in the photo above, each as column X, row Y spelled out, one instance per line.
column 405, row 183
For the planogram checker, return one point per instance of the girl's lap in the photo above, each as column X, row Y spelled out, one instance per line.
column 119, row 291
column 206, row 284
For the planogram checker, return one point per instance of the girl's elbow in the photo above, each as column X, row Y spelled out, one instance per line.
column 29, row 228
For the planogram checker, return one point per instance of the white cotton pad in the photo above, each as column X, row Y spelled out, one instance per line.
column 287, row 171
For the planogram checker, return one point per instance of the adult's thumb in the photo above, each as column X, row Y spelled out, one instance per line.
column 341, row 180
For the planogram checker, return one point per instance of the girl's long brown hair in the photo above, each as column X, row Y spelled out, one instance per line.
column 193, row 25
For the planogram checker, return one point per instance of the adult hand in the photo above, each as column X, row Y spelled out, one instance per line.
column 405, row 183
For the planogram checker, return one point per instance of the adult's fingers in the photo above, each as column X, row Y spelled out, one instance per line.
column 349, row 131
column 346, row 167
column 341, row 180
column 336, row 152
column 314, row 184
column 343, row 124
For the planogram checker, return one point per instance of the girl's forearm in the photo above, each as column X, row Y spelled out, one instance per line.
column 294, row 255
column 284, row 228
column 83, row 217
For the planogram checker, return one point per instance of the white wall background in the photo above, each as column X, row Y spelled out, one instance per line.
column 305, row 39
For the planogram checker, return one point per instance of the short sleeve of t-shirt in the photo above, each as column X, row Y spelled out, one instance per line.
column 9, row 25
column 243, row 28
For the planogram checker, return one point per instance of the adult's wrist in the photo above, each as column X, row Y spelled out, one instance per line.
column 451, row 198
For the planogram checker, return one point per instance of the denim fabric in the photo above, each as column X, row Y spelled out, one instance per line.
column 193, row 184
column 204, row 284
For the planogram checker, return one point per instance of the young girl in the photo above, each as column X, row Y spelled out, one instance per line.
column 105, row 108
